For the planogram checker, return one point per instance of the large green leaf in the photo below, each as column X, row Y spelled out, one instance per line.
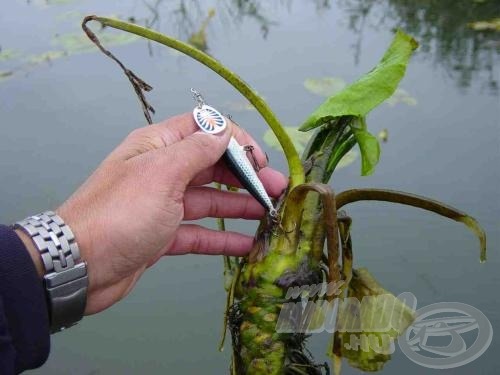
column 370, row 90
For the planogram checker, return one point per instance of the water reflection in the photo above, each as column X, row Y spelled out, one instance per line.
column 443, row 28
column 188, row 15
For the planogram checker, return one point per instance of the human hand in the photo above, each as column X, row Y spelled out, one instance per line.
column 129, row 213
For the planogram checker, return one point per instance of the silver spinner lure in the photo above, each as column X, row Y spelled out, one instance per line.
column 211, row 121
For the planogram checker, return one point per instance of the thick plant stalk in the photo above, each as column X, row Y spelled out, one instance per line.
column 294, row 165
column 263, row 285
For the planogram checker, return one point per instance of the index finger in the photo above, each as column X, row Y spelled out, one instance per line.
column 173, row 130
column 155, row 136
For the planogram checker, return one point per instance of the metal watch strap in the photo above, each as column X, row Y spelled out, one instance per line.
column 66, row 278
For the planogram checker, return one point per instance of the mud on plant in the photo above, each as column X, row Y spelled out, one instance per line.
column 311, row 243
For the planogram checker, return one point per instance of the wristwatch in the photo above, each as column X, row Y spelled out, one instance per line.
column 65, row 279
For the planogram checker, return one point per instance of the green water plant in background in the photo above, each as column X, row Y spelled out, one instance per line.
column 291, row 252
column 8, row 54
column 198, row 39
column 4, row 75
column 486, row 25
column 64, row 45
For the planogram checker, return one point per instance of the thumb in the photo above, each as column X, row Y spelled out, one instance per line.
column 195, row 153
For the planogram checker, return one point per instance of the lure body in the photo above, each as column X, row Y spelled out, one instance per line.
column 237, row 161
column 211, row 121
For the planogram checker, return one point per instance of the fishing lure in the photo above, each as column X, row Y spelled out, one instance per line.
column 211, row 121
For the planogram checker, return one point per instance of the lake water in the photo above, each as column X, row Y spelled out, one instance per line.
column 63, row 111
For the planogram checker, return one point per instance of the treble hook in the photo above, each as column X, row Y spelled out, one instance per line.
column 276, row 220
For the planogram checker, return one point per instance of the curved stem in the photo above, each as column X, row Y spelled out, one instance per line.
column 294, row 164
column 355, row 195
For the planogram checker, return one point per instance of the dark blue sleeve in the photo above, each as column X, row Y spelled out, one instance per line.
column 24, row 322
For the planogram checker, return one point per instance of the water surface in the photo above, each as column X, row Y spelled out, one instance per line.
column 62, row 112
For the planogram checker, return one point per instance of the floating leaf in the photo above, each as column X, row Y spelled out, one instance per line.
column 490, row 25
column 46, row 57
column 5, row 75
column 370, row 90
column 401, row 96
column 325, row 86
column 79, row 43
column 8, row 54
column 238, row 106
column 299, row 138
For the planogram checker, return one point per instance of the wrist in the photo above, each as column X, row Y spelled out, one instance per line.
column 76, row 219
column 33, row 252
column 56, row 256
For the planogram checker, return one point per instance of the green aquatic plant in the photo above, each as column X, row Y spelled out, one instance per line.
column 46, row 57
column 383, row 135
column 65, row 45
column 301, row 140
column 325, row 86
column 8, row 54
column 5, row 75
column 401, row 96
column 47, row 3
column 290, row 252
column 199, row 38
column 487, row 25
column 328, row 86
column 73, row 43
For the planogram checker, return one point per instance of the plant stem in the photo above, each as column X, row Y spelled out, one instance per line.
column 294, row 164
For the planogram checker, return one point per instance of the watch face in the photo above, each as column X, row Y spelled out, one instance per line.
column 209, row 119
